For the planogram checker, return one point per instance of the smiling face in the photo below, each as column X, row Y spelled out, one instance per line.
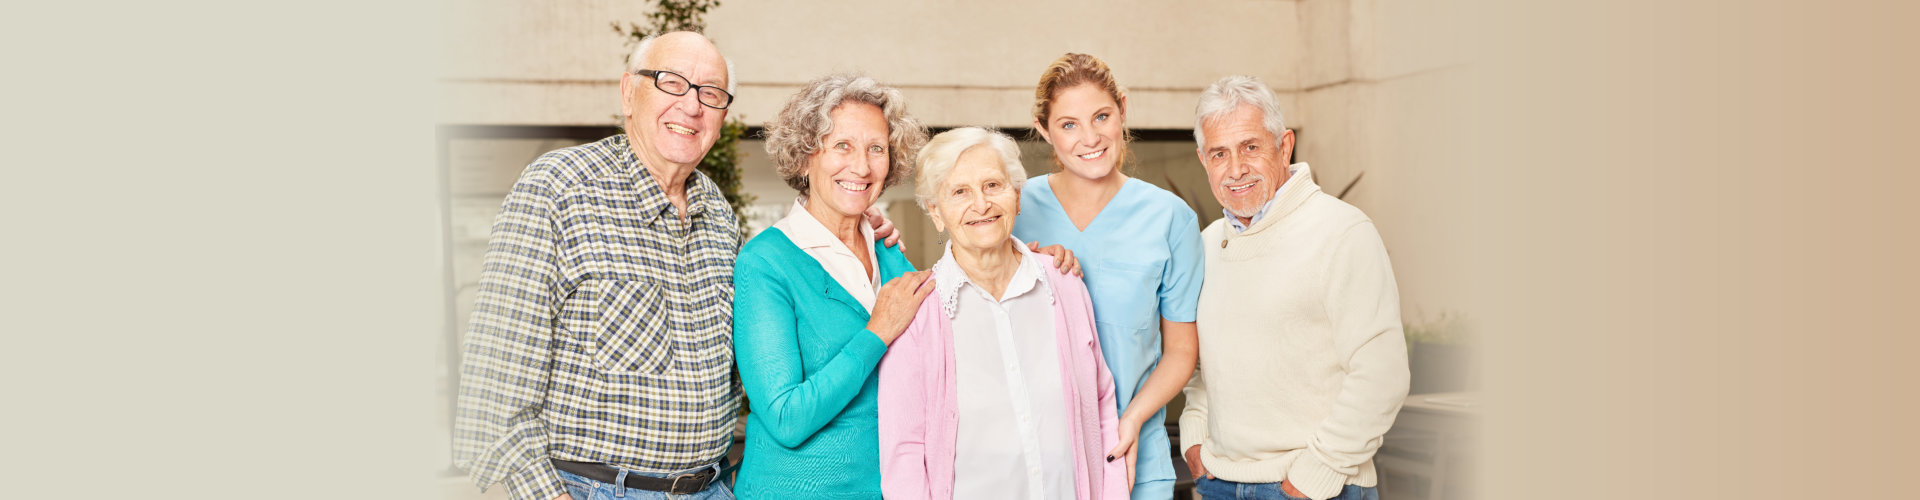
column 665, row 130
column 845, row 176
column 1086, row 128
column 1245, row 163
column 977, row 203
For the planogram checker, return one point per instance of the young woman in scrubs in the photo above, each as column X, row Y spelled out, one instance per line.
column 1139, row 249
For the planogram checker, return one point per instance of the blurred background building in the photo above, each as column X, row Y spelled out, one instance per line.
column 1372, row 89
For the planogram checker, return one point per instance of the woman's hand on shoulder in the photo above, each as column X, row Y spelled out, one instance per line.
column 896, row 302
column 1063, row 258
column 883, row 228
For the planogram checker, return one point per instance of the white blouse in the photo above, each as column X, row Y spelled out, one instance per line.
column 825, row 247
column 1013, row 438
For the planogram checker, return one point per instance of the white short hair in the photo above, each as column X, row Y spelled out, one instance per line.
column 639, row 59
column 1227, row 94
column 941, row 153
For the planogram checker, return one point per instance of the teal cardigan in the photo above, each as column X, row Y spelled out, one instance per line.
column 808, row 364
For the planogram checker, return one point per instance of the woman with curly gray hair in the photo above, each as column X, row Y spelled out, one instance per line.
column 811, row 318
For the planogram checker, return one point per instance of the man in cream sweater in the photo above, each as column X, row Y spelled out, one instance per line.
column 1302, row 362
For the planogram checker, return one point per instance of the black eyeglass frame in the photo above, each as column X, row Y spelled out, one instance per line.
column 691, row 87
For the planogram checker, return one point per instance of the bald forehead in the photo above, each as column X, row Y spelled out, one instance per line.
column 691, row 55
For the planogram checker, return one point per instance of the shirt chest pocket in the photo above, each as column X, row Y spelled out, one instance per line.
column 632, row 329
column 1127, row 295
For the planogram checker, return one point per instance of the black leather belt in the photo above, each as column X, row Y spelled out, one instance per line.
column 684, row 484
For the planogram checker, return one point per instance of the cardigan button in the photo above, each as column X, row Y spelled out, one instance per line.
column 1223, row 243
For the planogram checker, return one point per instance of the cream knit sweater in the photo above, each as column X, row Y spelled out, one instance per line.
column 1303, row 365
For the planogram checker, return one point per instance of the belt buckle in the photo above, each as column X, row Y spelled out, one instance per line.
column 674, row 487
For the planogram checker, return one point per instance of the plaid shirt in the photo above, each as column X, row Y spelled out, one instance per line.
column 602, row 330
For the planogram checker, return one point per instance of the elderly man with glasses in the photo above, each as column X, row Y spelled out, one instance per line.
column 598, row 360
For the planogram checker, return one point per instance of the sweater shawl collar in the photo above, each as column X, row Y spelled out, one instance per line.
column 1293, row 194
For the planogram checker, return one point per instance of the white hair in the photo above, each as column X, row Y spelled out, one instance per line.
column 941, row 153
column 1227, row 94
column 639, row 59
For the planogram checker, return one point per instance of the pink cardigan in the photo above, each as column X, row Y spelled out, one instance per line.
column 919, row 402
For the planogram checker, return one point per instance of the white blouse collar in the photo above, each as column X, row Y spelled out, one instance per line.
column 948, row 277
column 807, row 232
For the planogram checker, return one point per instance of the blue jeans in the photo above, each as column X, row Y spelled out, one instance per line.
column 581, row 488
column 1221, row 489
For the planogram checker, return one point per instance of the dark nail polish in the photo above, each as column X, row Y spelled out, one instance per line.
column 1109, row 458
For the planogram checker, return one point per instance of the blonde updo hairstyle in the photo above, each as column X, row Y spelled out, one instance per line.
column 1069, row 71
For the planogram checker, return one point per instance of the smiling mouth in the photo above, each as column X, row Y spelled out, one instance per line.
column 988, row 220
column 1243, row 187
column 1094, row 155
column 678, row 129
column 852, row 186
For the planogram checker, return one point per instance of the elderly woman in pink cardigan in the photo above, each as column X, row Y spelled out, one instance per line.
column 997, row 389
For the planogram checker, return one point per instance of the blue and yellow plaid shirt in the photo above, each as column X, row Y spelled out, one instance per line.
column 602, row 330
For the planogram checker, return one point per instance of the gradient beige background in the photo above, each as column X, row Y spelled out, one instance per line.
column 1690, row 223
column 1701, row 235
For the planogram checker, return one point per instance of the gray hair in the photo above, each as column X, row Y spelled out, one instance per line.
column 943, row 152
column 639, row 58
column 1227, row 95
column 795, row 134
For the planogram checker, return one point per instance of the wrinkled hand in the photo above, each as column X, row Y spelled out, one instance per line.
column 1062, row 257
column 883, row 227
column 1128, row 449
column 896, row 302
column 1286, row 485
column 1194, row 466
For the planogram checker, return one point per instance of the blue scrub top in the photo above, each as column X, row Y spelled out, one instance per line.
column 1142, row 260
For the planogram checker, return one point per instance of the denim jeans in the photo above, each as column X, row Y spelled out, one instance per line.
column 1221, row 489
column 581, row 488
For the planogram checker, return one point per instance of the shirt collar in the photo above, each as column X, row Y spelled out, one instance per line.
column 948, row 277
column 701, row 193
column 807, row 232
column 1234, row 220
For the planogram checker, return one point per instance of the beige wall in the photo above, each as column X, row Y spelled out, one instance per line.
column 961, row 63
column 1380, row 92
column 1372, row 86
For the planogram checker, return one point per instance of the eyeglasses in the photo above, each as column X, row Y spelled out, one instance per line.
column 673, row 83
